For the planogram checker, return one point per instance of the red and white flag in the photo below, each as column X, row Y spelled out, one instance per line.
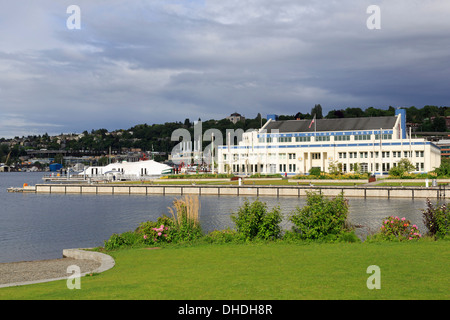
column 312, row 121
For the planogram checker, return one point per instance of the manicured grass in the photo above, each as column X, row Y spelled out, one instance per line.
column 273, row 182
column 291, row 271
column 408, row 184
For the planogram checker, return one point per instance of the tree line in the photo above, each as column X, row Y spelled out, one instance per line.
column 157, row 137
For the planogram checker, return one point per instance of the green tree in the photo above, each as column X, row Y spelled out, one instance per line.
column 317, row 111
column 403, row 166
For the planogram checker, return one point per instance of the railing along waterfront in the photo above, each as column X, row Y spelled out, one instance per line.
column 438, row 192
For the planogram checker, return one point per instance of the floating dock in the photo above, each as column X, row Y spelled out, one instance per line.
column 366, row 191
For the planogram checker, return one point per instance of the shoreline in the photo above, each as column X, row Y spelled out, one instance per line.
column 38, row 271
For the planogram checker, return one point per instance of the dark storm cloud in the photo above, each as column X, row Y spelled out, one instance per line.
column 157, row 61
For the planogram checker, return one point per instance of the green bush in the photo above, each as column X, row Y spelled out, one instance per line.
column 253, row 221
column 320, row 217
column 126, row 239
column 315, row 171
column 436, row 219
column 222, row 236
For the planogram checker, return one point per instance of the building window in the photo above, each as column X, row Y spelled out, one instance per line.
column 342, row 155
column 285, row 139
column 385, row 136
column 323, row 138
column 315, row 156
column 341, row 138
column 362, row 137
column 302, row 139
column 291, row 155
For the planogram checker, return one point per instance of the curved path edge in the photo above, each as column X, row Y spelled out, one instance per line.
column 106, row 263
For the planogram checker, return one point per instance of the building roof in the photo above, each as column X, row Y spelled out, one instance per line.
column 340, row 124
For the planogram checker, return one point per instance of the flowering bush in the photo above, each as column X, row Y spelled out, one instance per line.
column 156, row 232
column 401, row 229
column 437, row 219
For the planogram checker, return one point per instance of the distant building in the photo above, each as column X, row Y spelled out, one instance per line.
column 370, row 144
column 444, row 145
column 236, row 117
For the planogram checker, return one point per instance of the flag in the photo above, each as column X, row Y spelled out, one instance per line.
column 312, row 121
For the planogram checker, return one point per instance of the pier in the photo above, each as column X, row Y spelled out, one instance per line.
column 364, row 191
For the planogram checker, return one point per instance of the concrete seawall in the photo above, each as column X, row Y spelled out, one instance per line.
column 246, row 190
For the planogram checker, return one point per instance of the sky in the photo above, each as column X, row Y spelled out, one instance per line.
column 157, row 61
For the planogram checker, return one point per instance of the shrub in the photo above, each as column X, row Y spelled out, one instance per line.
column 320, row 217
column 222, row 236
column 126, row 239
column 436, row 219
column 253, row 221
column 314, row 171
column 394, row 228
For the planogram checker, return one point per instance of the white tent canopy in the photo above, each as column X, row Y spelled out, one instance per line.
column 129, row 169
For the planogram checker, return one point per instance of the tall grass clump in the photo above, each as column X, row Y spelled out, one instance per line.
column 185, row 216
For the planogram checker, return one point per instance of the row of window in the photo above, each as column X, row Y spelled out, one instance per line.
column 384, row 154
column 325, row 138
column 341, row 155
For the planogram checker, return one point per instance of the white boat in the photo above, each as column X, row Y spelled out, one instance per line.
column 127, row 170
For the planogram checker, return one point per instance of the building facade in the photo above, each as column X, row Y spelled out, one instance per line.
column 293, row 147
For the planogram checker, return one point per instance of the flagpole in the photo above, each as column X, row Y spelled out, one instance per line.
column 315, row 123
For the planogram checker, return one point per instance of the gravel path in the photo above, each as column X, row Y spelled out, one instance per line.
column 16, row 272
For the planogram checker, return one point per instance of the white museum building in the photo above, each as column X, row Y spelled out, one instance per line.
column 292, row 147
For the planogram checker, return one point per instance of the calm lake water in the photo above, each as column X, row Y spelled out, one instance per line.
column 40, row 226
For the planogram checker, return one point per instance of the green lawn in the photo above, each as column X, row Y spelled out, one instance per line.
column 416, row 270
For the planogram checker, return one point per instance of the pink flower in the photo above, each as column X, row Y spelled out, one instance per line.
column 165, row 235
column 414, row 226
column 145, row 236
column 403, row 219
column 159, row 234
column 396, row 218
